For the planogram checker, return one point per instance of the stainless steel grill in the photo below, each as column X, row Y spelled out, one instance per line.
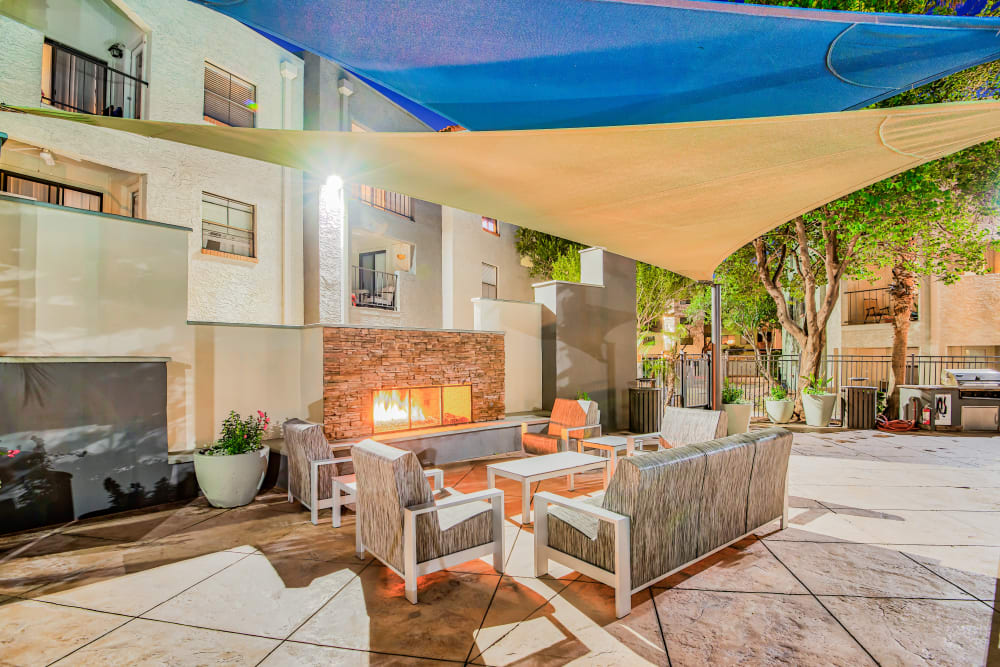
column 966, row 397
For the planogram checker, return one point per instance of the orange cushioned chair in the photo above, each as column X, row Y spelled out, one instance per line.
column 570, row 419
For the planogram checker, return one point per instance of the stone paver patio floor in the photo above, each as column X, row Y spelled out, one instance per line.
column 891, row 557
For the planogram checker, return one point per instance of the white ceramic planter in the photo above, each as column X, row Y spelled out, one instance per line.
column 231, row 481
column 780, row 412
column 738, row 417
column 818, row 408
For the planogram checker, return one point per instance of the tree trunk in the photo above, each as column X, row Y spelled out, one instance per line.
column 697, row 331
column 810, row 359
column 903, row 293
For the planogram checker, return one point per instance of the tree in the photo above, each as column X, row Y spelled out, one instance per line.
column 747, row 308
column 656, row 292
column 793, row 262
column 567, row 266
column 927, row 222
column 542, row 250
column 818, row 248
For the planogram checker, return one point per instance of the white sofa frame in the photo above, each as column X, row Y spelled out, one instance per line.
column 620, row 578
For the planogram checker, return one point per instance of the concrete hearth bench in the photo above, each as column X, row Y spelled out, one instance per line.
column 469, row 441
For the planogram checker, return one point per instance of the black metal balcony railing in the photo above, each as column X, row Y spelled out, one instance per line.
column 393, row 202
column 373, row 289
column 870, row 306
column 81, row 83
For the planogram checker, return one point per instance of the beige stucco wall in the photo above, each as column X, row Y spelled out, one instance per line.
column 84, row 284
column 521, row 323
column 181, row 36
column 963, row 315
column 77, row 284
column 464, row 249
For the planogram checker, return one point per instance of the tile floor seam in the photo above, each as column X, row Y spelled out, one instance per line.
column 529, row 615
column 202, row 580
column 659, row 626
column 820, row 603
column 357, row 575
column 361, row 650
column 99, row 637
column 486, row 612
column 938, row 574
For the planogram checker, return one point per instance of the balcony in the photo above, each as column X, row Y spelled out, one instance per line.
column 373, row 289
column 870, row 306
column 393, row 202
column 75, row 81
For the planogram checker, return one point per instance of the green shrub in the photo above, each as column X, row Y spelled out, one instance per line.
column 582, row 396
column 732, row 393
column 778, row 394
column 816, row 385
column 239, row 436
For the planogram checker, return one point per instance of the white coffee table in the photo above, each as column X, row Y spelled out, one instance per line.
column 614, row 445
column 547, row 466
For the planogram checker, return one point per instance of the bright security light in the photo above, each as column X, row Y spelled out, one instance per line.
column 334, row 182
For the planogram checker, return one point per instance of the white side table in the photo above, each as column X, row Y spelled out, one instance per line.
column 614, row 445
column 537, row 468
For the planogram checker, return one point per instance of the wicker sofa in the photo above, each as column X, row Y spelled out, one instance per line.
column 665, row 510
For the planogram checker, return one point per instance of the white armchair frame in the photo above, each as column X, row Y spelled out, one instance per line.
column 344, row 492
column 412, row 569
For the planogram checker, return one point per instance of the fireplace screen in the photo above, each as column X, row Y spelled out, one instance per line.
column 421, row 407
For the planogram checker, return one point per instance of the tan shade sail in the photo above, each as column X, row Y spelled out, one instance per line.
column 682, row 196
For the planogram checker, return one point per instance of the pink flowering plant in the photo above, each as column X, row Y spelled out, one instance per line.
column 240, row 435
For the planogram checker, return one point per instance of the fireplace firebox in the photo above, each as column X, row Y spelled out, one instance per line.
column 403, row 409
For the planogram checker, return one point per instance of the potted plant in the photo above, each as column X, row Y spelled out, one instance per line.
column 737, row 409
column 817, row 402
column 778, row 406
column 230, row 471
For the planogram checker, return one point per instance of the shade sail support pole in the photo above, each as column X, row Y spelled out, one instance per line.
column 716, row 346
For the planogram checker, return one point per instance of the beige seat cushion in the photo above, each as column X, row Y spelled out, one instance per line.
column 587, row 524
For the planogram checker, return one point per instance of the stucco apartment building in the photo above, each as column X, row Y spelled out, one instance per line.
column 962, row 319
column 120, row 247
column 264, row 249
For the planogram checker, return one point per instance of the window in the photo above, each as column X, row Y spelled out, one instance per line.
column 393, row 202
column 78, row 82
column 491, row 225
column 227, row 226
column 229, row 100
column 489, row 281
column 47, row 191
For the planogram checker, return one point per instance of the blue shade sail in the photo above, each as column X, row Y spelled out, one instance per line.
column 520, row 64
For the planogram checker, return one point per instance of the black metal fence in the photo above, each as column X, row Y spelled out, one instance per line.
column 693, row 374
column 79, row 82
column 692, row 378
column 373, row 289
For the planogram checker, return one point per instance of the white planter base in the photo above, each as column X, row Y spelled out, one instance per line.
column 231, row 481
column 779, row 412
column 818, row 408
column 738, row 417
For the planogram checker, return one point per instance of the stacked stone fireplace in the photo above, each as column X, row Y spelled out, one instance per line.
column 379, row 381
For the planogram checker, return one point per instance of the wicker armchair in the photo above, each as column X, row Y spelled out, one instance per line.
column 569, row 419
column 665, row 510
column 682, row 426
column 400, row 523
column 311, row 466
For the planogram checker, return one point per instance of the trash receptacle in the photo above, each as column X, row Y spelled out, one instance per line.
column 861, row 405
column 645, row 409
